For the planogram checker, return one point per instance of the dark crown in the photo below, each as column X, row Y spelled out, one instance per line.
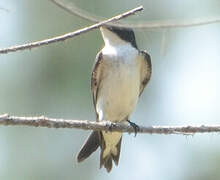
column 124, row 33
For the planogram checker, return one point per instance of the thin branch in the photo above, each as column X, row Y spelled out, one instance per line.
column 72, row 9
column 69, row 35
column 43, row 121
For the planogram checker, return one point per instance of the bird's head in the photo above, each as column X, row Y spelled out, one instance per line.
column 117, row 35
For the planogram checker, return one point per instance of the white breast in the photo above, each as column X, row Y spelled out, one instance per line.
column 119, row 88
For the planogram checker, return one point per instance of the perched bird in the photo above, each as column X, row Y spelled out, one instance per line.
column 119, row 76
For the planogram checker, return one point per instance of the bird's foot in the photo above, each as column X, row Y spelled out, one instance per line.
column 135, row 127
column 112, row 125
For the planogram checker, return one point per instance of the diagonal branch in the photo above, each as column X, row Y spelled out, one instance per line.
column 72, row 9
column 43, row 121
column 69, row 35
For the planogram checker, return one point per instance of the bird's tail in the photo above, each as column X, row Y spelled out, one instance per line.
column 110, row 150
column 109, row 153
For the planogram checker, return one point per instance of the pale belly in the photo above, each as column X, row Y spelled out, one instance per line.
column 119, row 92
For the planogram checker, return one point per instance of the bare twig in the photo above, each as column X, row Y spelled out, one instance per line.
column 43, row 121
column 69, row 35
column 72, row 9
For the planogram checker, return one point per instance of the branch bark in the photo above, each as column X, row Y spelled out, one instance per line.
column 43, row 121
column 69, row 35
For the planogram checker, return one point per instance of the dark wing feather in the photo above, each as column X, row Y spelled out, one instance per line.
column 95, row 80
column 91, row 144
column 146, row 69
column 95, row 139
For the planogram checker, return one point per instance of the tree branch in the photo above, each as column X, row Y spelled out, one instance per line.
column 72, row 9
column 43, row 121
column 69, row 35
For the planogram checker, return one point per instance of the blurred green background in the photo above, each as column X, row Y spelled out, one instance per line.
column 55, row 81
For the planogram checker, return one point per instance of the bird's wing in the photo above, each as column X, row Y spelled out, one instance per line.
column 146, row 69
column 95, row 80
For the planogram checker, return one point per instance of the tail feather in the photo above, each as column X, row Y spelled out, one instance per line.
column 107, row 160
column 92, row 143
column 116, row 157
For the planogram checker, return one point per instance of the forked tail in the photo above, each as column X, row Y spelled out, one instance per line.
column 109, row 151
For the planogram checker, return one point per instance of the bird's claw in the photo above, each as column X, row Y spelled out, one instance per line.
column 135, row 127
column 112, row 125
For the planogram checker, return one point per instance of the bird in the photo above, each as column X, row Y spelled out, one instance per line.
column 120, row 74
